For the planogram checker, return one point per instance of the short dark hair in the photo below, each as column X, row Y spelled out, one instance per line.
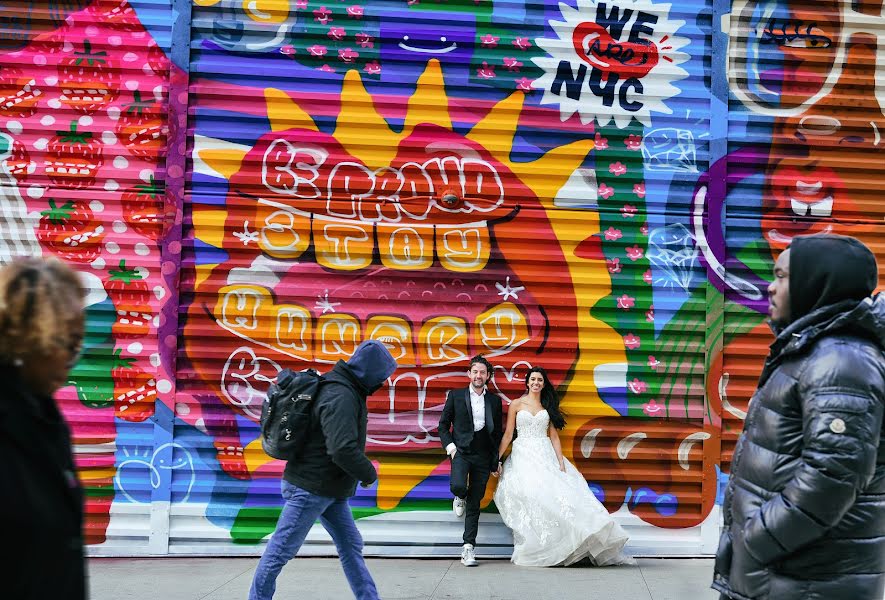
column 480, row 359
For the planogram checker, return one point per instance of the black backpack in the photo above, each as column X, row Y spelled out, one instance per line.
column 285, row 413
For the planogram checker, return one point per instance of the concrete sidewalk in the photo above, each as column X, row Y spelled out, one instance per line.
column 399, row 579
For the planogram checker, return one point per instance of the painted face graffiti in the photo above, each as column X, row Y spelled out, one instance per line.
column 812, row 185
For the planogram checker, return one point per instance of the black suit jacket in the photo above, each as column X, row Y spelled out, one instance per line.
column 456, row 422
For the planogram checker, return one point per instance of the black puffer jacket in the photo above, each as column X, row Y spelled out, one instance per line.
column 805, row 504
column 334, row 456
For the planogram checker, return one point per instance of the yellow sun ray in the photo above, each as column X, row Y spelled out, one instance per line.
column 429, row 103
column 546, row 175
column 217, row 158
column 284, row 113
column 494, row 132
column 361, row 130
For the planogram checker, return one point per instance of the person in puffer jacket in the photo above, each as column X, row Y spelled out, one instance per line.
column 805, row 504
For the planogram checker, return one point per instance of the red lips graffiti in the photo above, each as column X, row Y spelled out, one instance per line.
column 594, row 44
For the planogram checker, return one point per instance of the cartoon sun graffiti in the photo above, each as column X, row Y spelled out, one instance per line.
column 433, row 242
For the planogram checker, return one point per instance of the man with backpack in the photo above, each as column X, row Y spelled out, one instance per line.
column 318, row 481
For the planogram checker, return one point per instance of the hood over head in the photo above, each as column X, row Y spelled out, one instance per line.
column 372, row 364
column 827, row 269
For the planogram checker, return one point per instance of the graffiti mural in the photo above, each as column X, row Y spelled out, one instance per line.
column 599, row 187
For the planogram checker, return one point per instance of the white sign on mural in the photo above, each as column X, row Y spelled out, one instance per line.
column 613, row 60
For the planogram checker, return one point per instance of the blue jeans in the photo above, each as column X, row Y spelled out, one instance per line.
column 300, row 512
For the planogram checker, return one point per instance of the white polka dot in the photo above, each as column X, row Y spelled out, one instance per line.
column 114, row 112
column 159, row 292
column 120, row 162
column 86, row 120
column 160, row 92
column 36, row 191
column 120, row 227
column 39, row 59
column 92, row 31
column 138, row 34
column 68, row 47
column 98, row 263
column 143, row 272
column 164, row 386
column 145, row 175
column 147, row 70
column 131, row 85
column 111, row 185
column 54, row 103
column 182, row 409
column 108, row 138
column 96, row 206
column 135, row 348
column 47, row 120
column 155, row 359
column 130, row 57
column 141, row 249
column 41, row 144
column 14, row 126
column 201, row 425
column 115, row 40
column 51, row 80
column 112, row 247
column 156, row 321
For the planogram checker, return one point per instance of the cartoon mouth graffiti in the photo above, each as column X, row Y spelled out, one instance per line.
column 380, row 253
column 614, row 454
column 417, row 241
column 424, row 46
column 805, row 196
column 18, row 93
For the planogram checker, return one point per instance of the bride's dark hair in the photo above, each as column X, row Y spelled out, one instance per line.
column 549, row 397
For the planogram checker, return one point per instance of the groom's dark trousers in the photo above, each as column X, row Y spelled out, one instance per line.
column 477, row 454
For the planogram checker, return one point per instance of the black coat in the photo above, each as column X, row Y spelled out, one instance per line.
column 334, row 456
column 41, row 502
column 456, row 422
column 805, row 504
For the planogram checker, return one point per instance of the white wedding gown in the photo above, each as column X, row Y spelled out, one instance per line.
column 555, row 518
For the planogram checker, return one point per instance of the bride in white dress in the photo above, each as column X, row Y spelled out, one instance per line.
column 542, row 497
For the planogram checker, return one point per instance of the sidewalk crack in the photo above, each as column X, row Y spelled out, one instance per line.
column 441, row 579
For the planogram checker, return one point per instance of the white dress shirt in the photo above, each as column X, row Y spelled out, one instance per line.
column 478, row 404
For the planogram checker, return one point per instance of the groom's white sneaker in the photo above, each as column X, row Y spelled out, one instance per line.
column 458, row 505
column 468, row 556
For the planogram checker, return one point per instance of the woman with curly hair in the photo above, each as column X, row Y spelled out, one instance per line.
column 41, row 506
column 542, row 497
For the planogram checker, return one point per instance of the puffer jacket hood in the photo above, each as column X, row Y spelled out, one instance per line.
column 828, row 269
column 804, row 509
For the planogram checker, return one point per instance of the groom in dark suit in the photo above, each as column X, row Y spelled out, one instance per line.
column 470, row 430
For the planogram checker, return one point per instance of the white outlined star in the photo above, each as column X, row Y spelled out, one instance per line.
column 505, row 291
column 246, row 236
column 324, row 304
